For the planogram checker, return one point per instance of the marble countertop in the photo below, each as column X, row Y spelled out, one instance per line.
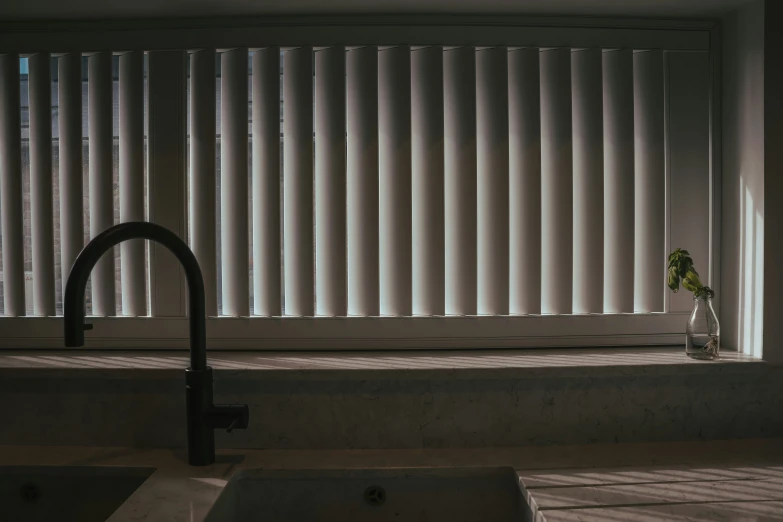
column 693, row 481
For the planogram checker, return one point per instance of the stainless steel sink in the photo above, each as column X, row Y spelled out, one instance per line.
column 65, row 493
column 405, row 494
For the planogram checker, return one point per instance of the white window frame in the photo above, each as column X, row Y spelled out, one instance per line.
column 169, row 329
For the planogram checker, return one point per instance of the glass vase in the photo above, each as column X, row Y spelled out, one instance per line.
column 702, row 335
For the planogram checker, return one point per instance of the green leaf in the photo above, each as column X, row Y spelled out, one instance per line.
column 691, row 281
column 680, row 270
column 674, row 279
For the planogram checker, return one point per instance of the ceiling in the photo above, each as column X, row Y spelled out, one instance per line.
column 92, row 9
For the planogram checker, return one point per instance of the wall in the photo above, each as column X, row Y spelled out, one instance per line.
column 773, row 182
column 742, row 226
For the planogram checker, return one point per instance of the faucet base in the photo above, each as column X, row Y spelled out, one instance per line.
column 198, row 401
column 204, row 416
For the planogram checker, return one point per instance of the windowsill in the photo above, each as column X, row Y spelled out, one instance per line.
column 460, row 364
column 287, row 334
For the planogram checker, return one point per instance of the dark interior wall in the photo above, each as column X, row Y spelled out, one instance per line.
column 773, row 181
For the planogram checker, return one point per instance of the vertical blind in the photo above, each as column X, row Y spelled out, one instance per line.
column 357, row 181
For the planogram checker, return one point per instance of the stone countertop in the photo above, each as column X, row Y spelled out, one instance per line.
column 693, row 481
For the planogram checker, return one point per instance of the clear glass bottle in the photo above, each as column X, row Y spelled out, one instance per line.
column 702, row 335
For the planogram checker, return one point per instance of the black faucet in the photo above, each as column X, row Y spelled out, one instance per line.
column 202, row 415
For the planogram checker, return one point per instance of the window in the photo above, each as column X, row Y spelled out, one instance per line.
column 380, row 195
column 55, row 167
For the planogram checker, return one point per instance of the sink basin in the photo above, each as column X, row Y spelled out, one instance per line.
column 405, row 494
column 65, row 493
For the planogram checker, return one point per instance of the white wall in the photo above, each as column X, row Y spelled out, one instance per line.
column 742, row 227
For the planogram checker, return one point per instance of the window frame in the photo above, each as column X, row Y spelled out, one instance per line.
column 167, row 298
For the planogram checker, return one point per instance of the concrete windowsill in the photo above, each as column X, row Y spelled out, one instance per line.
column 647, row 361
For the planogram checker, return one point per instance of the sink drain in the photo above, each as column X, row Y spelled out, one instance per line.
column 29, row 493
column 375, row 495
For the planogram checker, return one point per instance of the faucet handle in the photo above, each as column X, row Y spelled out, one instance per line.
column 227, row 416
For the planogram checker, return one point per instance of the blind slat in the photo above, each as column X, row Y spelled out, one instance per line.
column 459, row 101
column 132, row 180
column 556, row 182
column 70, row 171
column 587, row 100
column 42, row 223
column 650, row 182
column 167, row 176
column 267, row 290
column 618, row 135
column 394, row 170
column 234, row 183
column 524, row 182
column 427, row 181
column 688, row 142
column 492, row 158
column 11, row 186
column 298, row 181
column 362, row 181
column 330, row 179
column 101, row 176
column 203, row 204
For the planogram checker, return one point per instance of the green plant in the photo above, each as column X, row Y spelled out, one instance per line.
column 681, row 269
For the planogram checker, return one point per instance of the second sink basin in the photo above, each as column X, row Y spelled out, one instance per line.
column 65, row 493
column 404, row 494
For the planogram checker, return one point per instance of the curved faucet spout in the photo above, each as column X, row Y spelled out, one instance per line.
column 203, row 416
column 73, row 301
